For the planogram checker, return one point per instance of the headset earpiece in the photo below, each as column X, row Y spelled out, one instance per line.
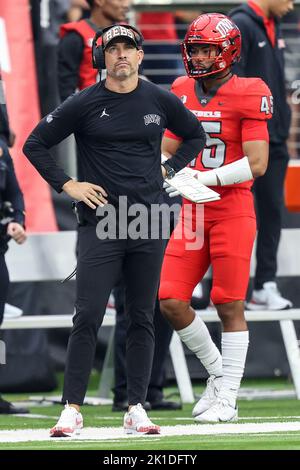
column 97, row 53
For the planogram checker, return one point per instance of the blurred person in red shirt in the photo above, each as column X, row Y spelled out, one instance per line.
column 162, row 45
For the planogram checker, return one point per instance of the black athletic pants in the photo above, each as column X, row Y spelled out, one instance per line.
column 100, row 265
column 163, row 335
column 269, row 199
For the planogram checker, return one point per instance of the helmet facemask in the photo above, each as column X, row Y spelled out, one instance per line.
column 201, row 65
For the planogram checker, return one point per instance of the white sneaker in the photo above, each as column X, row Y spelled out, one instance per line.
column 10, row 311
column 219, row 412
column 69, row 423
column 136, row 421
column 268, row 298
column 209, row 395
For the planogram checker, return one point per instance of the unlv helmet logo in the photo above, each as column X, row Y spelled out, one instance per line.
column 224, row 26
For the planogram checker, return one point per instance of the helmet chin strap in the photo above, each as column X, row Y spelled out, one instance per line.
column 216, row 76
column 219, row 77
column 212, row 78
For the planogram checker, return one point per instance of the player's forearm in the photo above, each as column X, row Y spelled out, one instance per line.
column 233, row 173
column 258, row 155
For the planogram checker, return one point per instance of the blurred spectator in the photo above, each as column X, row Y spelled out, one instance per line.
column 46, row 18
column 52, row 15
column 183, row 18
column 79, row 9
column 291, row 33
column 162, row 63
column 11, row 219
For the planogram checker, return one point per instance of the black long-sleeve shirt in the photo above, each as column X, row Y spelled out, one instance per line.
column 9, row 187
column 70, row 51
column 118, row 137
column 11, row 191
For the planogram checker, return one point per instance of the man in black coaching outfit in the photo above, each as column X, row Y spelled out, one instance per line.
column 118, row 126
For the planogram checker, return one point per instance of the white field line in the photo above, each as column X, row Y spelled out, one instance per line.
column 169, row 418
column 99, row 434
column 189, row 418
column 34, row 416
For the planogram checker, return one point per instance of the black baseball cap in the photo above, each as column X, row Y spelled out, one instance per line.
column 122, row 31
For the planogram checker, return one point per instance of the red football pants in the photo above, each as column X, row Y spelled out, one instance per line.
column 227, row 247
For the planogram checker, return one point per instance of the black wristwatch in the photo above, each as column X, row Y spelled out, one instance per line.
column 170, row 171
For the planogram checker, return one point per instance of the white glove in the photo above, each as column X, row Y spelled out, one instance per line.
column 173, row 192
column 185, row 183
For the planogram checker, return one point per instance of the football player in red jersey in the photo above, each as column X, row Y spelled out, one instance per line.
column 234, row 113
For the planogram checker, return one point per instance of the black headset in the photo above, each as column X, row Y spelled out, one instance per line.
column 98, row 58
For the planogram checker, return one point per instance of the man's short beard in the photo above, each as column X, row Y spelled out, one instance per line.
column 122, row 74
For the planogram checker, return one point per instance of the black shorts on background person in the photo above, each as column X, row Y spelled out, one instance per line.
column 118, row 126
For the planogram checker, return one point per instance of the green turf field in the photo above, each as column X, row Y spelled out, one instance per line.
column 285, row 412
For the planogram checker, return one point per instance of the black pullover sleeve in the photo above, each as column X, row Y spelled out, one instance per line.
column 12, row 191
column 49, row 132
column 182, row 122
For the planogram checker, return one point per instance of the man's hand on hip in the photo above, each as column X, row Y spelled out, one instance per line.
column 91, row 194
column 164, row 172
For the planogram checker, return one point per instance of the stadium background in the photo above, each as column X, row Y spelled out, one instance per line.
column 31, row 90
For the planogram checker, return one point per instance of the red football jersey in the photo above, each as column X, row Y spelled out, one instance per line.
column 228, row 116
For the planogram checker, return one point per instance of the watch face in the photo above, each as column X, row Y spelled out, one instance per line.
column 170, row 171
